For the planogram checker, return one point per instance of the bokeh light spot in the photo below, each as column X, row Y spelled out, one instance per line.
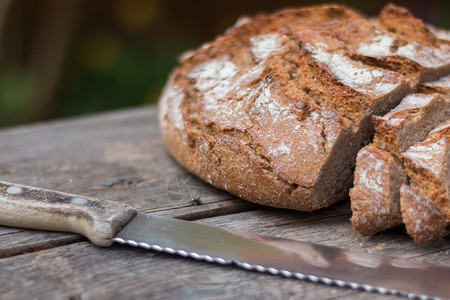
column 99, row 51
column 136, row 14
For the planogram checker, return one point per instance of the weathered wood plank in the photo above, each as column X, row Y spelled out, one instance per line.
column 83, row 271
column 328, row 226
column 131, row 272
column 266, row 221
column 127, row 272
column 81, row 155
column 27, row 241
column 117, row 156
column 120, row 156
column 331, row 227
column 205, row 210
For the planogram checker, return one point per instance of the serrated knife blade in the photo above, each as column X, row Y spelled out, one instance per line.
column 277, row 256
column 100, row 221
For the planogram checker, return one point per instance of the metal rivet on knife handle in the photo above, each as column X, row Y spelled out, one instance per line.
column 36, row 208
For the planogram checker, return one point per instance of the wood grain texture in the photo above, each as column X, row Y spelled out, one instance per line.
column 27, row 241
column 119, row 273
column 120, row 156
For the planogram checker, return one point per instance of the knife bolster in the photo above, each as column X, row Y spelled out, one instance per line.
column 36, row 208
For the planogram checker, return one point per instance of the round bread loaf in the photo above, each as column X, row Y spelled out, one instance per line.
column 276, row 110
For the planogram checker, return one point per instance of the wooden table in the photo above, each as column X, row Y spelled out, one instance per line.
column 120, row 156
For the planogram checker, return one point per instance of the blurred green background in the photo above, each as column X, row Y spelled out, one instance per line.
column 62, row 58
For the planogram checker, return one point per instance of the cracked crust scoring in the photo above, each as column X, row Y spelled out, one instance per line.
column 276, row 110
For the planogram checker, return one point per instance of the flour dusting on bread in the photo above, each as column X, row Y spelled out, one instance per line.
column 263, row 46
column 354, row 74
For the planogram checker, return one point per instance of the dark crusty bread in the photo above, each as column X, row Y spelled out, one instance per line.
column 410, row 121
column 423, row 220
column 426, row 204
column 427, row 163
column 375, row 198
column 401, row 133
column 275, row 110
column 416, row 42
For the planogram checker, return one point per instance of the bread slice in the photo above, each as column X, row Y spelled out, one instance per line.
column 441, row 85
column 425, row 204
column 375, row 195
column 423, row 220
column 428, row 165
column 382, row 187
column 410, row 121
column 275, row 110
column 379, row 171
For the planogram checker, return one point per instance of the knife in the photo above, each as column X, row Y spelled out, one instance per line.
column 104, row 222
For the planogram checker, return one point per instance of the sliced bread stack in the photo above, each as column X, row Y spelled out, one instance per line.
column 403, row 176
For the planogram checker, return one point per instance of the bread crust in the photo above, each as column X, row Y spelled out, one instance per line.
column 375, row 196
column 428, row 165
column 424, row 193
column 423, row 220
column 410, row 121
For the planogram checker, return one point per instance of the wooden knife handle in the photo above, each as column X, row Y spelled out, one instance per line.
column 36, row 208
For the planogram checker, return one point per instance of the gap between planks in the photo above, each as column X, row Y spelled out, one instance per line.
column 61, row 242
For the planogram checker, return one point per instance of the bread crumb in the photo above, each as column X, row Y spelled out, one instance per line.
column 380, row 247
